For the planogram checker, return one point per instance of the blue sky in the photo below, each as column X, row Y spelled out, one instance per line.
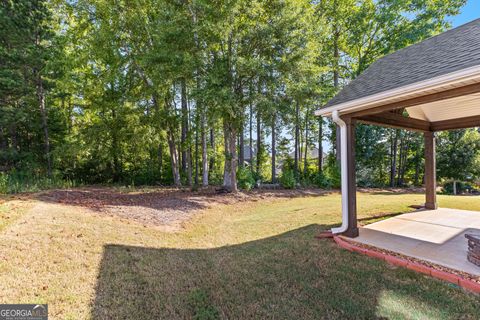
column 468, row 13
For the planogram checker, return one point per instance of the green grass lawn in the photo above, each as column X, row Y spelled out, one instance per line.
column 255, row 259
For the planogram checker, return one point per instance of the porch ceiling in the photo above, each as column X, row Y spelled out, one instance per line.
column 454, row 108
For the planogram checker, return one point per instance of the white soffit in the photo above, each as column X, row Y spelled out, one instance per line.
column 459, row 107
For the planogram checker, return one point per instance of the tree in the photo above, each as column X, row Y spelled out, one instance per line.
column 26, row 49
column 458, row 155
column 107, row 91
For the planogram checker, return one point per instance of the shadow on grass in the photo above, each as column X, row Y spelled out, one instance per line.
column 288, row 276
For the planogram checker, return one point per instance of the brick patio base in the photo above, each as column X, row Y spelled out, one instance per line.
column 442, row 275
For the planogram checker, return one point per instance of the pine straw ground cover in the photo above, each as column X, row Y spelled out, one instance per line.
column 250, row 256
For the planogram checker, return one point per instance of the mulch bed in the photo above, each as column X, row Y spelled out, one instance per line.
column 160, row 206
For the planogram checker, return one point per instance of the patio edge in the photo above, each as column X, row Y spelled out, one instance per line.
column 434, row 273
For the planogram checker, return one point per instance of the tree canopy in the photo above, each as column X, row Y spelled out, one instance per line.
column 192, row 92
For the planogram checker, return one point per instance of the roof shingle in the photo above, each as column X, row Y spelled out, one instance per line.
column 450, row 51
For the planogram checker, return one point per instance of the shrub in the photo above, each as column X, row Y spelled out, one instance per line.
column 3, row 182
column 332, row 173
column 322, row 181
column 287, row 179
column 245, row 179
column 21, row 181
column 462, row 187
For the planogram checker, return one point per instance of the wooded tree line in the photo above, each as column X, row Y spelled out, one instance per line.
column 194, row 92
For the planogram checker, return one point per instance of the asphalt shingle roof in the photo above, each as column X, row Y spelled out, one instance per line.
column 450, row 51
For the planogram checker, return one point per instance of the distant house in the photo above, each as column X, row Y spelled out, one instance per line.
column 312, row 154
column 249, row 153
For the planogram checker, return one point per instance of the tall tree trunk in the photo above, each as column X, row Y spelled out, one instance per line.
column 259, row 143
column 14, row 136
column 116, row 160
column 230, row 131
column 204, row 148
column 172, row 147
column 183, row 139
column 197, row 143
column 230, row 169
column 160, row 160
column 297, row 139
column 336, row 58
column 3, row 140
column 189, row 166
column 417, row 165
column 241, row 149
column 320, row 145
column 44, row 117
column 160, row 145
column 117, row 167
column 200, row 118
column 62, row 99
column 201, row 109
column 170, row 128
column 12, row 132
column 3, row 149
column 393, row 158
column 305, row 158
column 173, row 158
column 400, row 160
column 274, row 150
column 190, row 158
column 43, row 110
column 212, row 145
column 70, row 115
column 251, row 137
column 300, row 148
column 405, row 158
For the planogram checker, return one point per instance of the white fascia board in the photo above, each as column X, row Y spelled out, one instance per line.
column 453, row 78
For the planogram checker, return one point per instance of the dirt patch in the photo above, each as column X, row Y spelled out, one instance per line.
column 160, row 206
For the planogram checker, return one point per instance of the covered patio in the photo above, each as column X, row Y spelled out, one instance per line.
column 427, row 87
column 436, row 236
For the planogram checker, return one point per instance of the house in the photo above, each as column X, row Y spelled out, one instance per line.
column 249, row 152
column 312, row 154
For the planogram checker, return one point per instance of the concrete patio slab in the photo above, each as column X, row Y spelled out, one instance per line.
column 437, row 236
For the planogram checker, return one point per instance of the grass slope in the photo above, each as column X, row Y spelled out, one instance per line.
column 243, row 260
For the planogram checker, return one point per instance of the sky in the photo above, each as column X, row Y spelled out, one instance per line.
column 468, row 13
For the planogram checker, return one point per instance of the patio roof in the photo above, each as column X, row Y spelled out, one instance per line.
column 430, row 86
column 419, row 87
